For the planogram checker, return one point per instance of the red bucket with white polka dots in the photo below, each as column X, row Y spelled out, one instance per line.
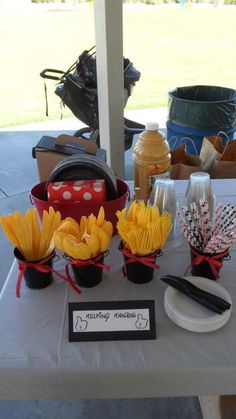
column 39, row 198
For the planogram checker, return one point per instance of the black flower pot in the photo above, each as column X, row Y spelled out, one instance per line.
column 88, row 275
column 204, row 268
column 34, row 278
column 137, row 271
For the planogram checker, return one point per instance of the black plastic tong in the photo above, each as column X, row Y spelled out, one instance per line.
column 208, row 300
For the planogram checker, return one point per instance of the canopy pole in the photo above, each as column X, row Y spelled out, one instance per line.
column 110, row 80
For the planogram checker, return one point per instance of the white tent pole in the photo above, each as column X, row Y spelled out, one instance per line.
column 110, row 80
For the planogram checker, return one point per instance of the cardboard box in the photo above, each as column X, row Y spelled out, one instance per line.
column 49, row 151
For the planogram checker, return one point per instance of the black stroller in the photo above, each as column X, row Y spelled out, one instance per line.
column 78, row 91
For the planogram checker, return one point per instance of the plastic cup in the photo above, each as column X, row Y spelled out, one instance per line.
column 164, row 197
column 200, row 188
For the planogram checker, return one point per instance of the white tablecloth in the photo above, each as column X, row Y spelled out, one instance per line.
column 38, row 362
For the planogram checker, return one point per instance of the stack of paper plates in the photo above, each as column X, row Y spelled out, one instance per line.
column 191, row 315
column 84, row 166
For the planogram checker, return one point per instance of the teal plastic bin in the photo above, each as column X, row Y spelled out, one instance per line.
column 198, row 111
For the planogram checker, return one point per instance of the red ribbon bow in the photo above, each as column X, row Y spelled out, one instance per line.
column 145, row 260
column 38, row 266
column 79, row 263
column 212, row 260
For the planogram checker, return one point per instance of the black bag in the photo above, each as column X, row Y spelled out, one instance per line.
column 80, row 99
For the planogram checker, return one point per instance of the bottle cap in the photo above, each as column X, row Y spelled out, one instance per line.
column 152, row 126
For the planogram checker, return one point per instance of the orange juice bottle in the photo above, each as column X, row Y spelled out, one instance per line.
column 151, row 160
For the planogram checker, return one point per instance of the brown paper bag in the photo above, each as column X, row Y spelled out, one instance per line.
column 183, row 164
column 212, row 148
column 229, row 154
column 217, row 141
column 224, row 166
column 223, row 170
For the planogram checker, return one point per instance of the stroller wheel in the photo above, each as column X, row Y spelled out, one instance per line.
column 88, row 133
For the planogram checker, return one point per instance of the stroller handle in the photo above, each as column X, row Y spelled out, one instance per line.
column 44, row 74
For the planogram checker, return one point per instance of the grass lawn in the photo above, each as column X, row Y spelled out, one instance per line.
column 170, row 45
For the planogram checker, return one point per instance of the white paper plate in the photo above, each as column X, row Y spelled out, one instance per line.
column 190, row 315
